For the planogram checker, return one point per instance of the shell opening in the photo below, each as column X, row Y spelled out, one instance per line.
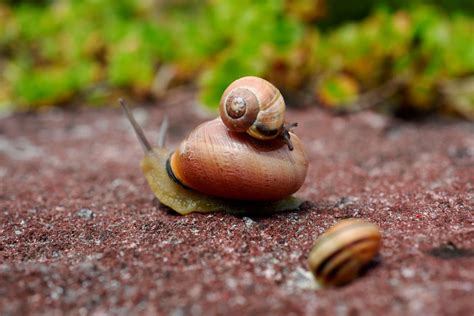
column 169, row 170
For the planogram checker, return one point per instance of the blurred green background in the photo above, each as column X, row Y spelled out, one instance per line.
column 406, row 57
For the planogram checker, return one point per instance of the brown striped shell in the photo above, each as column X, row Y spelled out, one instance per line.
column 253, row 105
column 218, row 162
column 343, row 250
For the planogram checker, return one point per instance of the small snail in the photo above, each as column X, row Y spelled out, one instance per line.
column 343, row 250
column 218, row 169
column 254, row 105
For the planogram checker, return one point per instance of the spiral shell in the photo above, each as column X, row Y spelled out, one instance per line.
column 218, row 162
column 343, row 250
column 253, row 105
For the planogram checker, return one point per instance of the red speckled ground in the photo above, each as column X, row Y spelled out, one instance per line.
column 125, row 254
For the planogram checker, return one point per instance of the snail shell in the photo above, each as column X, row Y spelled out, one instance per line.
column 218, row 162
column 253, row 105
column 343, row 250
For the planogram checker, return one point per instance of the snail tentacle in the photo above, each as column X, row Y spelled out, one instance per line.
column 163, row 132
column 138, row 130
column 286, row 134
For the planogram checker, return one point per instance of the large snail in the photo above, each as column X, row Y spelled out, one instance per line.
column 339, row 255
column 215, row 169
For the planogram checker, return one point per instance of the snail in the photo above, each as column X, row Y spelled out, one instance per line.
column 255, row 106
column 339, row 255
column 215, row 168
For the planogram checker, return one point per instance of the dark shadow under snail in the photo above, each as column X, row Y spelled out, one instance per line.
column 218, row 169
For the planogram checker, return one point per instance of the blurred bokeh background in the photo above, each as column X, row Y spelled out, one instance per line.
column 403, row 57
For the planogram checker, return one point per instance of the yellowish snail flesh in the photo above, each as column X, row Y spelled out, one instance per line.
column 217, row 169
column 339, row 255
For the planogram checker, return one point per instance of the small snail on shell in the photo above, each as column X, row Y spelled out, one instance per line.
column 254, row 105
column 216, row 169
column 339, row 255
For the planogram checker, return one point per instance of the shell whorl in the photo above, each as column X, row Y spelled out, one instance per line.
column 239, row 109
column 253, row 105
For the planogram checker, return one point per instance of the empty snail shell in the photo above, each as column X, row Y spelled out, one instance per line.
column 217, row 169
column 254, row 105
column 343, row 250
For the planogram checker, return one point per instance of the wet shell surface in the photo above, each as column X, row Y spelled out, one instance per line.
column 339, row 255
column 218, row 162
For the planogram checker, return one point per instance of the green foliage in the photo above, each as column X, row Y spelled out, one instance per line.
column 422, row 46
column 54, row 51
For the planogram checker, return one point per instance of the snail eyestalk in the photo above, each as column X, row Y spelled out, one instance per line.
column 138, row 130
column 163, row 132
column 286, row 134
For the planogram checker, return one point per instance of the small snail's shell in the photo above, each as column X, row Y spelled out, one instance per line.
column 253, row 105
column 343, row 250
column 218, row 162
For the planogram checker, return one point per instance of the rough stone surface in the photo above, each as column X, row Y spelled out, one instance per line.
column 415, row 180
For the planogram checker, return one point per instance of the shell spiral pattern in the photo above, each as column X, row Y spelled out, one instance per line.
column 253, row 105
column 343, row 250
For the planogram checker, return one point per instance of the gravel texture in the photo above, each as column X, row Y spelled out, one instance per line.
column 80, row 232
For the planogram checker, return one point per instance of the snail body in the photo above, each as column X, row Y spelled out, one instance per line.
column 253, row 105
column 339, row 255
column 217, row 169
